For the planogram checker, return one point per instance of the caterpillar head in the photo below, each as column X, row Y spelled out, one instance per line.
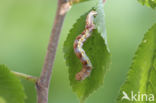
column 89, row 20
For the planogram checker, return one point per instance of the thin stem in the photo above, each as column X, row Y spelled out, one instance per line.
column 43, row 82
column 25, row 76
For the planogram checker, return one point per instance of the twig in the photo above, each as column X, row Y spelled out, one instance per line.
column 25, row 76
column 43, row 82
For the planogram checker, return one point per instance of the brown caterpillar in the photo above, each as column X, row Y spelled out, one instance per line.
column 80, row 53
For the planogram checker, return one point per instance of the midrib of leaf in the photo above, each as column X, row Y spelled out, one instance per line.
column 148, row 76
column 152, row 68
column 149, row 73
column 145, row 73
column 149, row 82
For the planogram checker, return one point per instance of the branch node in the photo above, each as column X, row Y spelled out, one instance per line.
column 65, row 8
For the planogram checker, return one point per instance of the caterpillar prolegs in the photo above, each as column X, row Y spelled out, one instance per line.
column 78, row 44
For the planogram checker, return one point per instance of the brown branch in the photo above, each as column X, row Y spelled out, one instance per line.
column 43, row 82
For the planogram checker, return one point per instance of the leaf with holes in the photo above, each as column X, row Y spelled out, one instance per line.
column 141, row 78
column 11, row 90
column 96, row 50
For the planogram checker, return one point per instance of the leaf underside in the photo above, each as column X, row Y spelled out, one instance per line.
column 11, row 90
column 142, row 74
column 150, row 3
column 96, row 50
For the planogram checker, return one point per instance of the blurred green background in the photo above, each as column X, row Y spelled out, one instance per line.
column 25, row 27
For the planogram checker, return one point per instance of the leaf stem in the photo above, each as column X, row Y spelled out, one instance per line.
column 25, row 76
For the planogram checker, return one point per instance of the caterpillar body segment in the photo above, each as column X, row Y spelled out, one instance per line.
column 78, row 44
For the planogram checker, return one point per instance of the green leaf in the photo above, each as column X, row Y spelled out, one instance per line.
column 96, row 50
column 150, row 3
column 11, row 90
column 2, row 100
column 142, row 74
column 100, row 21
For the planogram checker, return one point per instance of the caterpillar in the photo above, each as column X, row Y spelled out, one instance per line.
column 78, row 44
